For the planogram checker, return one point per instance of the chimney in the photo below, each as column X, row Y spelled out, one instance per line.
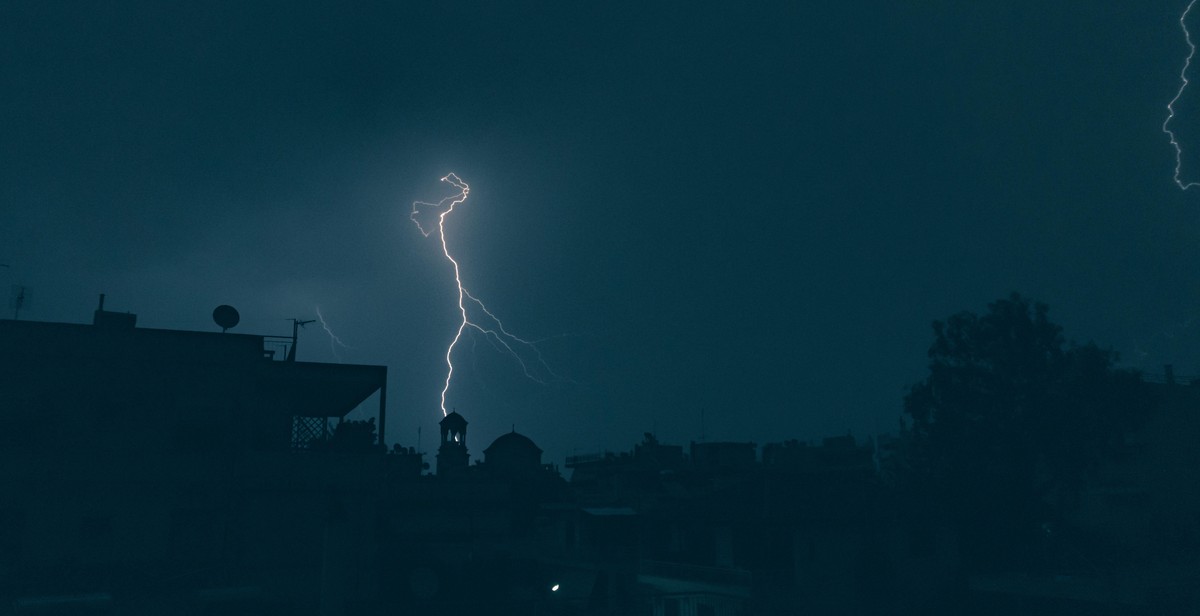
column 112, row 320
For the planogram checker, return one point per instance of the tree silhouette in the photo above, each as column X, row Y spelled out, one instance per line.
column 1010, row 420
column 350, row 436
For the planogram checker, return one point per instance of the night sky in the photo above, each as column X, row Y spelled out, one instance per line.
column 747, row 213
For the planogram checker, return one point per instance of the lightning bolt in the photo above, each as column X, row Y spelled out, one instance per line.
column 1187, row 36
column 334, row 341
column 487, row 323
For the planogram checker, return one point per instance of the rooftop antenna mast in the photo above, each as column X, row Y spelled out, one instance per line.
column 18, row 300
column 296, row 325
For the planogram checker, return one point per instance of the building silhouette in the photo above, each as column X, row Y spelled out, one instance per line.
column 152, row 470
column 452, row 455
column 148, row 471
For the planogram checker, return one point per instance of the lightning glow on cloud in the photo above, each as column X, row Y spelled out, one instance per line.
column 525, row 352
column 1187, row 36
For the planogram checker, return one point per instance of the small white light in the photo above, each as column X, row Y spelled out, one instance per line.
column 554, row 588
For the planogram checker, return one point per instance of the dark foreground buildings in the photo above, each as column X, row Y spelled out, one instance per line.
column 158, row 471
column 150, row 471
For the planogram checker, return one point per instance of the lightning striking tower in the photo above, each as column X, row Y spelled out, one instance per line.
column 1187, row 62
column 430, row 217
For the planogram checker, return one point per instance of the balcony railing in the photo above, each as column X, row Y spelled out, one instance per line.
column 277, row 347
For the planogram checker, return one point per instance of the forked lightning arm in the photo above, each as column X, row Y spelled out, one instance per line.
column 334, row 341
column 1187, row 36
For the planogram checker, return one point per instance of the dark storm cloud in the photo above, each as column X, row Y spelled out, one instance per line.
column 754, row 211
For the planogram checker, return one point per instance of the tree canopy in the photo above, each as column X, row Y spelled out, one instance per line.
column 1012, row 417
column 351, row 436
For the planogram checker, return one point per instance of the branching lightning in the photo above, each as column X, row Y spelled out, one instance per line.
column 334, row 341
column 487, row 323
column 1187, row 36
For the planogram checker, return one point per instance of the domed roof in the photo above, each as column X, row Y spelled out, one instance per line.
column 513, row 442
column 453, row 419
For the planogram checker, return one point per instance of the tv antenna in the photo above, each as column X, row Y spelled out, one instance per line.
column 296, row 325
column 18, row 299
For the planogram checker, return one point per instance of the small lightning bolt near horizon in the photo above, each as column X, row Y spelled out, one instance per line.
column 1187, row 62
column 334, row 341
column 491, row 328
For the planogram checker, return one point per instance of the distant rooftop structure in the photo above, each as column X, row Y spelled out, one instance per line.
column 513, row 453
column 453, row 457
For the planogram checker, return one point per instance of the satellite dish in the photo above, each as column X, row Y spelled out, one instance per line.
column 226, row 317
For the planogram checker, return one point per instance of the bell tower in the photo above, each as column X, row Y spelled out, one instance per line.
column 452, row 455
